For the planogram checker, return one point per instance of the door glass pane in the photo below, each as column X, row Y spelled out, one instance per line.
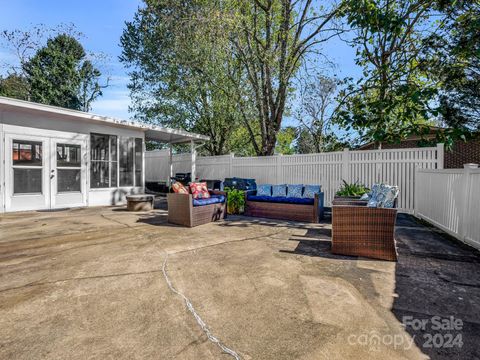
column 28, row 153
column 126, row 162
column 68, row 155
column 138, row 162
column 27, row 181
column 99, row 174
column 68, row 180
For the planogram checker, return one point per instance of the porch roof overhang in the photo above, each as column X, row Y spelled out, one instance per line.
column 155, row 133
column 173, row 136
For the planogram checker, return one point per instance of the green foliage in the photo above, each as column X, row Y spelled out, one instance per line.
column 14, row 86
column 59, row 74
column 452, row 56
column 182, row 72
column 285, row 139
column 353, row 189
column 214, row 67
column 394, row 94
column 235, row 200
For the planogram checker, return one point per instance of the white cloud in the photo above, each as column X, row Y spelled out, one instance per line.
column 113, row 103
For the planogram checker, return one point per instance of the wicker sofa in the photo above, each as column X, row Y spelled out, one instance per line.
column 186, row 211
column 359, row 230
column 284, row 208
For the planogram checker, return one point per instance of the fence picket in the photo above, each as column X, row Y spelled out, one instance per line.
column 396, row 167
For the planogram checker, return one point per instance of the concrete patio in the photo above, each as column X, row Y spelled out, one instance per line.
column 88, row 283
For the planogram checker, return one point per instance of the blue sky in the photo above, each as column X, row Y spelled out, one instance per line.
column 102, row 23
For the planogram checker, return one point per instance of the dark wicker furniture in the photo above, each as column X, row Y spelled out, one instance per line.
column 182, row 212
column 364, row 231
column 285, row 211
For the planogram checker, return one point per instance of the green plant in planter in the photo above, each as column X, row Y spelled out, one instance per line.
column 235, row 201
column 352, row 190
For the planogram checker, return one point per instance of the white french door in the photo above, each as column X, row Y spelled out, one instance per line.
column 44, row 172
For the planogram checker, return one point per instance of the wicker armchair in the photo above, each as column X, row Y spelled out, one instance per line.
column 364, row 231
column 182, row 212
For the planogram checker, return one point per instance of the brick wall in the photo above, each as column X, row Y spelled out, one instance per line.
column 462, row 152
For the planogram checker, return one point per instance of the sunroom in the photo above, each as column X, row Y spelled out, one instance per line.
column 56, row 158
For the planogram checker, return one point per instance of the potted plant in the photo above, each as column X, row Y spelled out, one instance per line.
column 350, row 192
column 235, row 201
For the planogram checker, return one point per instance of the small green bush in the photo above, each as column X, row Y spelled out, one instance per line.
column 354, row 189
column 235, row 201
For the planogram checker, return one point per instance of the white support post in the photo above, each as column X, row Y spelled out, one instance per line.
column 467, row 189
column 193, row 154
column 346, row 165
column 440, row 155
column 170, row 163
column 231, row 160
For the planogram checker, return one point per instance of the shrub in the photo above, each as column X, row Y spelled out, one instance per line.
column 353, row 189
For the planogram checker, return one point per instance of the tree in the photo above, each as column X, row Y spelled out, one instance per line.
column 59, row 74
column 272, row 38
column 394, row 95
column 90, row 88
column 316, row 106
column 285, row 139
column 182, row 71
column 237, row 57
column 14, row 86
column 453, row 59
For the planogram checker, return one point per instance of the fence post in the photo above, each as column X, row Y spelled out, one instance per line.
column 230, row 164
column 346, row 165
column 467, row 187
column 170, row 164
column 279, row 168
column 440, row 155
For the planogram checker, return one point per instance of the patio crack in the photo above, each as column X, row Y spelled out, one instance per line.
column 197, row 317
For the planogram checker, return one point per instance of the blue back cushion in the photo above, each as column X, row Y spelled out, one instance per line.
column 264, row 190
column 310, row 191
column 294, row 191
column 279, row 190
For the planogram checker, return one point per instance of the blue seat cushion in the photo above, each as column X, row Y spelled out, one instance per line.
column 213, row 199
column 281, row 199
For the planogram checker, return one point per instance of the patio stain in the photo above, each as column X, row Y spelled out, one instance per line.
column 270, row 290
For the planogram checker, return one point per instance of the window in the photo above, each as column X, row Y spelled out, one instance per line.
column 27, row 153
column 27, row 166
column 68, row 155
column 103, row 167
column 69, row 165
column 126, row 161
column 131, row 164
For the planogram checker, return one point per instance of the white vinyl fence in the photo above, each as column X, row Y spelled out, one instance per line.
column 395, row 167
column 450, row 200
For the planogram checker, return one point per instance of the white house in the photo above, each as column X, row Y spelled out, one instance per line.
column 52, row 157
